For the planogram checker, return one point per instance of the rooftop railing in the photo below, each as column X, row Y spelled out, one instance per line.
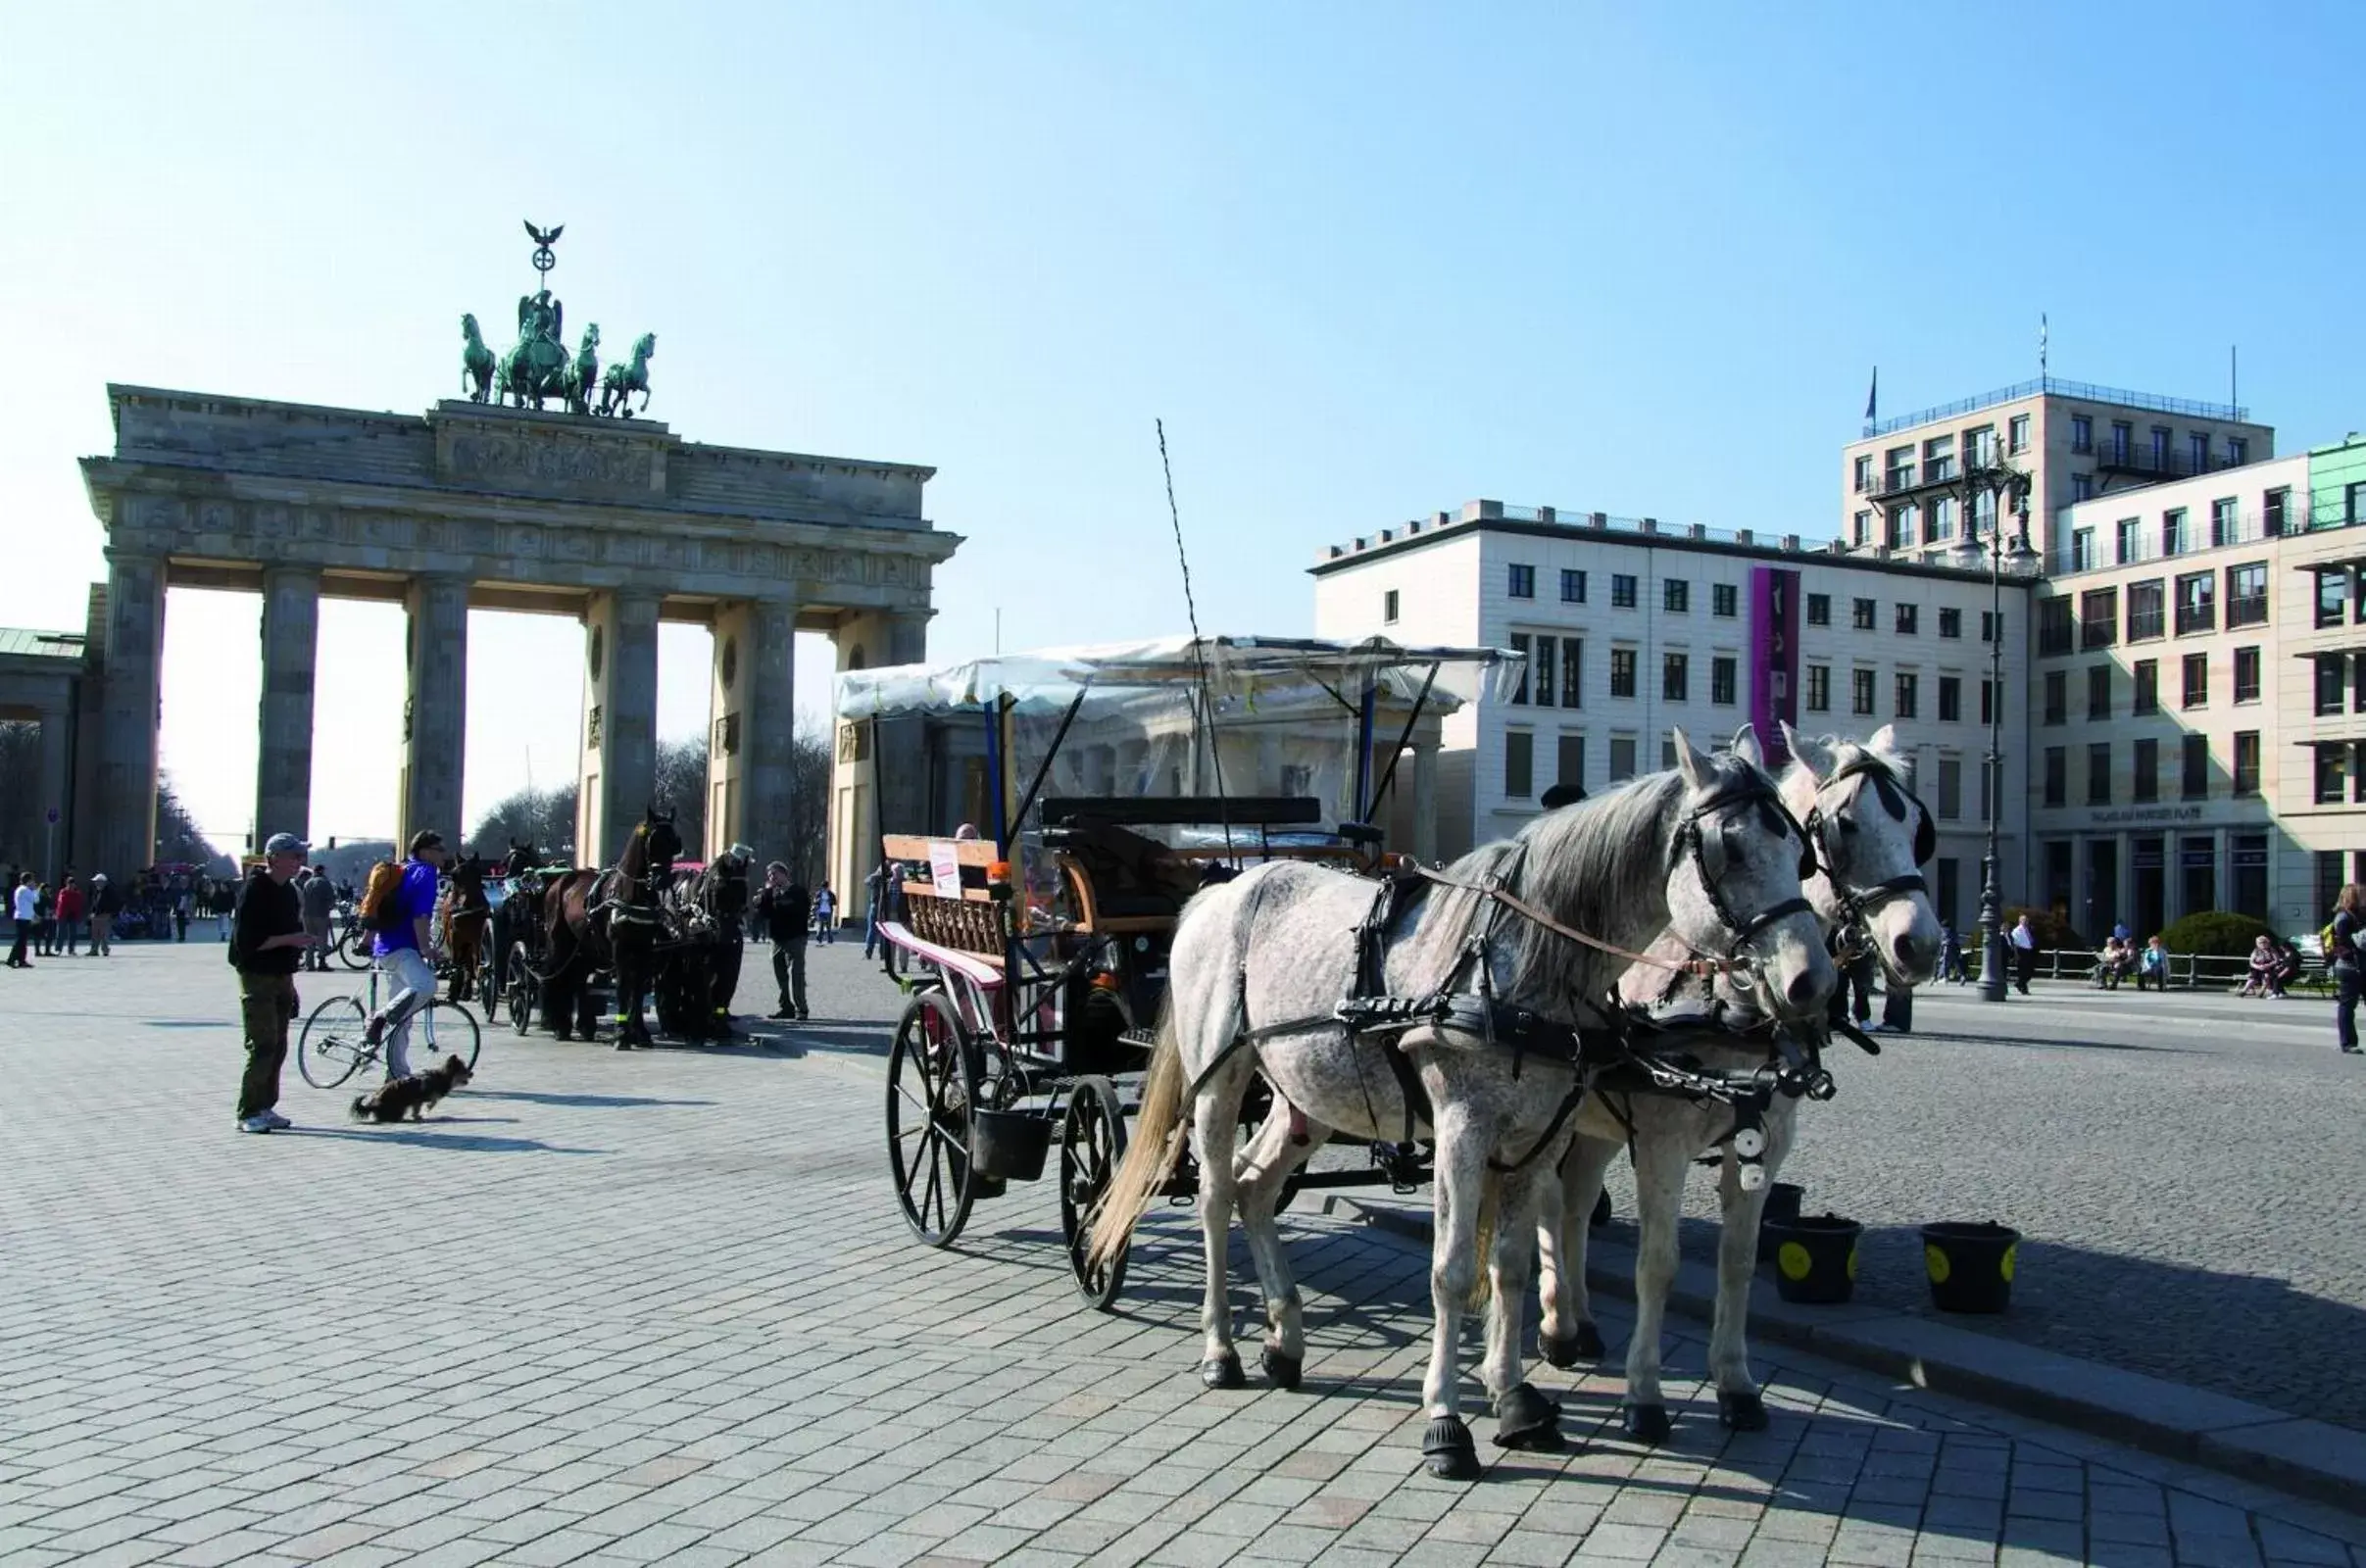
column 2047, row 385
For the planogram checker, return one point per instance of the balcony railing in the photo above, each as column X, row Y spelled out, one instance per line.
column 2196, row 618
column 2247, row 609
column 2145, row 625
column 2104, row 552
column 2048, row 385
column 2153, row 466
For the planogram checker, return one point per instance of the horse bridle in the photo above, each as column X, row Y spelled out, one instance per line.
column 1773, row 815
column 1858, row 903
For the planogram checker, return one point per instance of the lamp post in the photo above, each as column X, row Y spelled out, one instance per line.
column 2003, row 482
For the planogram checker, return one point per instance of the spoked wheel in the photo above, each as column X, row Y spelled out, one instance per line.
column 353, row 947
column 444, row 1028
column 1092, row 1140
column 485, row 985
column 931, row 1084
column 517, row 988
column 331, row 1048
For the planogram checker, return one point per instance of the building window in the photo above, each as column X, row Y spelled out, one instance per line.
column 2148, row 687
column 1908, row 617
column 1519, row 764
column 2331, row 670
column 2082, row 433
column 2246, row 595
column 2332, row 594
column 2274, row 506
column 2332, row 767
column 1908, row 685
column 2173, row 532
column 1622, row 672
column 1388, row 607
column 1861, row 614
column 2329, row 878
column 1898, row 466
column 1988, row 705
column 2082, row 550
column 1523, row 582
column 1864, row 473
column 2160, row 447
column 1819, row 688
column 2099, row 773
column 1943, row 521
column 2123, row 440
column 1573, row 671
column 1979, row 447
column 2196, row 602
column 2246, row 673
column 2198, row 450
column 1622, row 590
column 1951, row 698
column 2098, row 691
column 2081, row 487
column 1545, row 666
column 1622, row 758
column 1667, row 753
column 2222, row 522
column 1950, row 623
column 1571, row 762
column 1675, row 671
column 1860, row 529
column 1988, row 625
column 2247, row 762
column 2053, row 627
column 1721, row 679
column 2098, row 617
column 1676, row 595
column 1950, row 788
column 2196, row 767
column 2197, row 681
column 2130, row 532
column 2250, row 874
column 2238, row 451
column 1939, row 459
column 2057, row 775
column 2145, row 778
column 1724, row 598
column 2145, row 619
column 1860, row 691
column 2016, row 433
column 1520, row 645
column 1819, row 610
column 2058, row 697
column 1573, row 587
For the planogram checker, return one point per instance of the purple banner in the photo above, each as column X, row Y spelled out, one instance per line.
column 1774, row 658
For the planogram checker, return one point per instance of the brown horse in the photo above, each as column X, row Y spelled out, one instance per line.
column 466, row 910
column 610, row 921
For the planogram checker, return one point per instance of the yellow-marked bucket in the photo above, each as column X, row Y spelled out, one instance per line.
column 1815, row 1260
column 1970, row 1266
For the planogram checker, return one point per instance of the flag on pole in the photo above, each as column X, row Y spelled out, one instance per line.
column 2041, row 345
column 1873, row 395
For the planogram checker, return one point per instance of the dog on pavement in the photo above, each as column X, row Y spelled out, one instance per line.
column 408, row 1097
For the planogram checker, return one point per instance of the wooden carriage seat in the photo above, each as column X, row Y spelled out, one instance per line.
column 1132, row 876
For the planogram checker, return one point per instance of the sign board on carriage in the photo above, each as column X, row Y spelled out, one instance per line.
column 943, row 862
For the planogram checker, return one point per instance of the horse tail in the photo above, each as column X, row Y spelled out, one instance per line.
column 1149, row 1159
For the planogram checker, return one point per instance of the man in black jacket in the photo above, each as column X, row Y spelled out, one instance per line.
column 267, row 941
column 786, row 910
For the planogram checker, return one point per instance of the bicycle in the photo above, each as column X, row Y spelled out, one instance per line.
column 332, row 1047
column 351, row 937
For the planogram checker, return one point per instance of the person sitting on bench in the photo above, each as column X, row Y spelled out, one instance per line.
column 2153, row 966
column 2113, row 965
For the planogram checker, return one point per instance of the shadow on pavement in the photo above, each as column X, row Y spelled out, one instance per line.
column 586, row 1102
column 425, row 1137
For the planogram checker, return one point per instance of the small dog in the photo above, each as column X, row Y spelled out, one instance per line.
column 392, row 1102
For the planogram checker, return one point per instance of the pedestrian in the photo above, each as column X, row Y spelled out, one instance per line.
column 825, row 916
column 106, row 902
column 45, row 923
column 183, row 903
column 784, row 906
column 2153, row 964
column 1897, row 1007
column 2346, row 926
column 1951, row 953
column 317, row 898
column 402, row 912
column 2025, row 954
column 23, row 909
column 1857, row 976
column 874, row 908
column 71, row 905
column 266, row 945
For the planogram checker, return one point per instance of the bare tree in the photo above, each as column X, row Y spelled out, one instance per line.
column 177, row 838
column 806, row 839
column 681, row 788
column 20, row 806
column 543, row 818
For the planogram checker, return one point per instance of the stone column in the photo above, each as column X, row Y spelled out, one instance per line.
column 283, row 755
column 1425, row 802
column 750, row 755
column 56, row 783
column 435, row 712
column 619, row 773
column 124, row 838
column 902, row 765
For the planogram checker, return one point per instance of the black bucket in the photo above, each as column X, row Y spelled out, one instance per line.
column 1010, row 1144
column 1970, row 1265
column 1782, row 1207
column 1815, row 1260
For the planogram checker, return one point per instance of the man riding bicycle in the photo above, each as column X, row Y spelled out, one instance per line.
column 403, row 918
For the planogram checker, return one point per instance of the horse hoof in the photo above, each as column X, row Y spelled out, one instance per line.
column 1743, row 1412
column 1589, row 1345
column 1526, row 1419
column 1644, row 1423
column 1282, row 1371
column 623, row 1044
column 1448, row 1450
column 1222, row 1372
column 1561, row 1353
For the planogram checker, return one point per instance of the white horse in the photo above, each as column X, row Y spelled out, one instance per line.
column 1870, row 834
column 1496, row 969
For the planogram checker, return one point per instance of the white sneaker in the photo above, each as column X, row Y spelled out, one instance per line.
column 278, row 1122
column 256, row 1124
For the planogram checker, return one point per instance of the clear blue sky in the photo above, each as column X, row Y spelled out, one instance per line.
column 1366, row 260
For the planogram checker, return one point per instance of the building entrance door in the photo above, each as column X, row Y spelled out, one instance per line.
column 2103, row 888
column 2148, row 862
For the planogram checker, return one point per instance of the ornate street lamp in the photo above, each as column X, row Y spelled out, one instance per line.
column 2009, row 485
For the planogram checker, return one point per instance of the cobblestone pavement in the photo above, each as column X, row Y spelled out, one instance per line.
column 624, row 1308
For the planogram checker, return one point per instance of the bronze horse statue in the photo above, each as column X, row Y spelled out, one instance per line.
column 476, row 362
column 610, row 921
column 465, row 913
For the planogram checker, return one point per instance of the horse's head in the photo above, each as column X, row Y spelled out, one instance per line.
column 468, row 329
column 591, row 337
column 1736, row 864
column 1871, row 835
column 663, row 841
column 728, row 882
column 645, row 347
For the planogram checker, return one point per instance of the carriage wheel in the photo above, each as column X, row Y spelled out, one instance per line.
column 1092, row 1140
column 518, row 989
column 485, row 984
column 931, row 1084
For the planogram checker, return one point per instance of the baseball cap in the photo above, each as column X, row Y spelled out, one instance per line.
column 286, row 844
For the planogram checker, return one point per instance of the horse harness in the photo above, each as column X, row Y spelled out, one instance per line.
column 1606, row 1058
column 1853, row 933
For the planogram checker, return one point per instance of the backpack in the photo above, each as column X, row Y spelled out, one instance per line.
column 381, row 909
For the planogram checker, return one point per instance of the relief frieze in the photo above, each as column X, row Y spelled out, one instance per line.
column 541, row 459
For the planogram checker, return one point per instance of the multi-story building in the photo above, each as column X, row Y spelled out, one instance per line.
column 1632, row 627
column 2074, row 441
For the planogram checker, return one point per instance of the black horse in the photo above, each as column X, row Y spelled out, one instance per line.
column 699, row 966
column 611, row 920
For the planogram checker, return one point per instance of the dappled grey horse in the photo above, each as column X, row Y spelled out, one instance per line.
column 1489, row 970
column 1870, row 835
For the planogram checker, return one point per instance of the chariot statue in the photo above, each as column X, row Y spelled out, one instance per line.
column 539, row 367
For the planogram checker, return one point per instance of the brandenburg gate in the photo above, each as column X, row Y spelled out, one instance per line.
column 613, row 520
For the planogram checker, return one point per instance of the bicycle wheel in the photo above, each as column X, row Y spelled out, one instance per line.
column 330, row 1049
column 444, row 1028
column 353, row 947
